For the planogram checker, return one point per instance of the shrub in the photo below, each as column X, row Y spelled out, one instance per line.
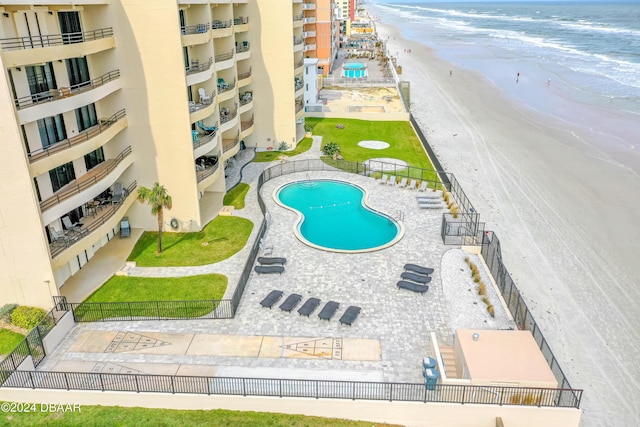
column 5, row 312
column 491, row 310
column 283, row 146
column 482, row 289
column 466, row 259
column 27, row 317
column 331, row 148
column 527, row 399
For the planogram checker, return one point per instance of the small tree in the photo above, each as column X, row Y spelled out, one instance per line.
column 331, row 148
column 158, row 198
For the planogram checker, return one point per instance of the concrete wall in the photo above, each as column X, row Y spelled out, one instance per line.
column 404, row 413
column 62, row 328
column 397, row 116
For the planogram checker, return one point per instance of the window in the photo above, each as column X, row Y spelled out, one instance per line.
column 61, row 176
column 51, row 130
column 78, row 71
column 86, row 117
column 306, row 86
column 94, row 158
column 40, row 78
column 70, row 27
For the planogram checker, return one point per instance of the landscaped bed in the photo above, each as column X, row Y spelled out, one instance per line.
column 220, row 239
column 235, row 197
column 269, row 156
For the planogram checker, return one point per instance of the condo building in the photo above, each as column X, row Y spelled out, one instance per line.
column 321, row 32
column 99, row 97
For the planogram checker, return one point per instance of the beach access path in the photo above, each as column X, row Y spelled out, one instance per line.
column 566, row 217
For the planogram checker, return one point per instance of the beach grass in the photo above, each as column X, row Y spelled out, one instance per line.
column 107, row 416
column 402, row 140
column 269, row 156
column 9, row 340
column 235, row 197
column 218, row 240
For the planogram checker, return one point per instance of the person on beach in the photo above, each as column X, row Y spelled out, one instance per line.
column 450, row 73
column 548, row 82
column 517, row 77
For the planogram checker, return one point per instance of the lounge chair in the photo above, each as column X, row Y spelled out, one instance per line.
column 268, row 269
column 392, row 180
column 385, row 179
column 415, row 277
column 418, row 269
column 415, row 287
column 403, row 183
column 429, row 196
column 272, row 298
column 423, row 186
column 291, row 302
column 118, row 193
column 271, row 260
column 75, row 227
column 413, row 184
column 350, row 315
column 431, row 205
column 59, row 238
column 328, row 310
column 309, row 306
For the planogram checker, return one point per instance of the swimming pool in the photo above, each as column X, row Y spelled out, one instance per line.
column 332, row 215
column 354, row 70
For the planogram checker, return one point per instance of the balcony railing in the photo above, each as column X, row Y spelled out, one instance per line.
column 246, row 124
column 299, row 106
column 195, row 29
column 71, row 190
column 199, row 141
column 308, row 34
column 298, row 64
column 298, row 17
column 230, row 144
column 310, row 20
column 226, row 115
column 78, row 139
column 244, row 47
column 224, row 56
column 195, row 106
column 241, row 20
column 309, row 47
column 242, row 76
column 107, row 212
column 64, row 92
column 207, row 171
column 197, row 67
column 308, row 6
column 246, row 98
column 217, row 24
column 299, row 84
column 225, row 87
column 33, row 42
column 297, row 41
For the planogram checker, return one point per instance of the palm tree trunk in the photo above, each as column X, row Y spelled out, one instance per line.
column 160, row 220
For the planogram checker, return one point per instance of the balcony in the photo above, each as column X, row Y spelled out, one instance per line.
column 309, row 47
column 203, row 171
column 244, row 78
column 298, row 44
column 19, row 51
column 297, row 67
column 246, row 100
column 203, row 109
column 308, row 6
column 308, row 34
column 229, row 144
column 241, row 24
column 71, row 195
column 228, row 119
column 92, row 223
column 225, row 90
column 199, row 72
column 222, row 28
column 298, row 20
column 195, row 34
column 309, row 20
column 298, row 84
column 242, row 50
column 246, row 127
column 224, row 60
column 106, row 127
column 299, row 106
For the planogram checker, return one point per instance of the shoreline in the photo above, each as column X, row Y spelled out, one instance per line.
column 564, row 215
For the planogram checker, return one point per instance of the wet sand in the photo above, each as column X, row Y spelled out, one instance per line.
column 566, row 217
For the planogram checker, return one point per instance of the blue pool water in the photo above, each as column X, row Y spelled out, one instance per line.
column 354, row 70
column 334, row 216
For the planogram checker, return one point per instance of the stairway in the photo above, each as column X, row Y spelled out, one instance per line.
column 449, row 360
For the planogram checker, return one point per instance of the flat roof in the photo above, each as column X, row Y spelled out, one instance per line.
column 504, row 357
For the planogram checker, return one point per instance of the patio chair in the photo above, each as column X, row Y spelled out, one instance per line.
column 403, row 183
column 222, row 84
column 268, row 269
column 272, row 298
column 309, row 306
column 418, row 269
column 392, row 180
column 423, row 186
column 75, row 227
column 415, row 277
column 385, row 179
column 271, row 260
column 290, row 303
column 204, row 98
column 350, row 315
column 415, row 287
column 328, row 310
column 118, row 193
column 60, row 238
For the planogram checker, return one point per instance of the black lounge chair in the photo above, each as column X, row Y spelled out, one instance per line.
column 272, row 260
column 271, row 299
column 309, row 306
column 415, row 277
column 418, row 269
column 291, row 302
column 415, row 287
column 350, row 315
column 268, row 269
column 328, row 310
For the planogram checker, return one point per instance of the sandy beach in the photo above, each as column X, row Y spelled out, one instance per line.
column 565, row 214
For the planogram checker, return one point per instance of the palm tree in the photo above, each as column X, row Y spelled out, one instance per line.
column 158, row 198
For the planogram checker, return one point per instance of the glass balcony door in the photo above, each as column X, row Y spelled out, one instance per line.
column 78, row 71
column 94, row 158
column 41, row 80
column 51, row 130
column 61, row 176
column 86, row 117
column 70, row 27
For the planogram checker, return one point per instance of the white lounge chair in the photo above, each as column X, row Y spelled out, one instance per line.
column 423, row 186
column 385, row 179
column 392, row 180
column 413, row 184
column 403, row 183
column 204, row 98
column 60, row 238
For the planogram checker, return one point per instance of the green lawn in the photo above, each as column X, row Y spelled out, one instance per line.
column 107, row 416
column 269, row 156
column 9, row 340
column 236, row 196
column 221, row 238
column 129, row 288
column 404, row 144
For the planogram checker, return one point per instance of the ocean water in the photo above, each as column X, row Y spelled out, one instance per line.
column 579, row 61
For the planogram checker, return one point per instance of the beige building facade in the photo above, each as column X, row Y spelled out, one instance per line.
column 100, row 97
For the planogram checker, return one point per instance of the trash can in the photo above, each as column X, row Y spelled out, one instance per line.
column 431, row 376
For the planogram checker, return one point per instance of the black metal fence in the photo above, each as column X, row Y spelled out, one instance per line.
column 248, row 266
column 274, row 387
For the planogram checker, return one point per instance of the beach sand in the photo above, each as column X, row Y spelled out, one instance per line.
column 565, row 215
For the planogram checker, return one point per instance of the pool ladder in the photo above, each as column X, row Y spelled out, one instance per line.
column 399, row 215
